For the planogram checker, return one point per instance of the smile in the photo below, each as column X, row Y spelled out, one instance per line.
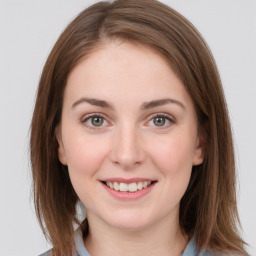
column 128, row 187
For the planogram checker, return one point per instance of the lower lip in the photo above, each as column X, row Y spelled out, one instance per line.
column 129, row 195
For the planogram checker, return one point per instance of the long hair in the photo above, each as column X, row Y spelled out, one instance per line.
column 208, row 209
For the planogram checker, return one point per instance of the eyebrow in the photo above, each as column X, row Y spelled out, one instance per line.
column 94, row 102
column 161, row 102
column 144, row 106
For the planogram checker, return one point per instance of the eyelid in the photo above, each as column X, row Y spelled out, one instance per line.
column 160, row 114
column 85, row 118
column 170, row 118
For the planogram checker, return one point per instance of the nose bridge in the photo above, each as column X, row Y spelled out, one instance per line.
column 127, row 149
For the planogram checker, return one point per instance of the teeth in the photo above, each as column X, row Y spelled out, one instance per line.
column 139, row 186
column 131, row 187
column 123, row 187
column 110, row 184
column 116, row 186
column 144, row 184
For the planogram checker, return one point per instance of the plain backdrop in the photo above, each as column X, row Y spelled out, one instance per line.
column 28, row 30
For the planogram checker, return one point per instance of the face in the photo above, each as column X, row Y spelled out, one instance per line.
column 129, row 136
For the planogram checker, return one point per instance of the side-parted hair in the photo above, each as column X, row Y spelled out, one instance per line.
column 208, row 209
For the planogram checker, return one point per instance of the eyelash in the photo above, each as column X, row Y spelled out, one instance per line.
column 167, row 117
column 86, row 118
column 157, row 115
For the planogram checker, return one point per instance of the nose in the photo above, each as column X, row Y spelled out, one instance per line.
column 127, row 149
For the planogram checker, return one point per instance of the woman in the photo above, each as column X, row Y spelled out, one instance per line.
column 131, row 120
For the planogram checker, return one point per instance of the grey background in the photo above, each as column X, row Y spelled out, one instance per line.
column 28, row 30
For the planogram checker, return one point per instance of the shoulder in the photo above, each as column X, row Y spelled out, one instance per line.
column 192, row 250
column 78, row 250
column 48, row 253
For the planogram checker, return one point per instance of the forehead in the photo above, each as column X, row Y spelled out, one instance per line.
column 126, row 70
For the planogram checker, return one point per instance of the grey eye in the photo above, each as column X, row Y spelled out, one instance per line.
column 159, row 121
column 97, row 121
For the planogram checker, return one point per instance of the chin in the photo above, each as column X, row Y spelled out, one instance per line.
column 130, row 221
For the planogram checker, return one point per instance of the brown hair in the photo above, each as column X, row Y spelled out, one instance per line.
column 208, row 210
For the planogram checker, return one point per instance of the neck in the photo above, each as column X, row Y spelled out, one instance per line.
column 164, row 238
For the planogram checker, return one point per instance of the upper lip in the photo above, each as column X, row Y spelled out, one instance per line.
column 123, row 180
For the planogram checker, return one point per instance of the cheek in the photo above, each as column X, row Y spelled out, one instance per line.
column 173, row 159
column 174, row 156
column 84, row 155
column 84, row 158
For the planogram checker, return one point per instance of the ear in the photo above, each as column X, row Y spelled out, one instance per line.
column 199, row 150
column 61, row 150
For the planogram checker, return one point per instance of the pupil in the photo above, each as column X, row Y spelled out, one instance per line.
column 159, row 121
column 97, row 121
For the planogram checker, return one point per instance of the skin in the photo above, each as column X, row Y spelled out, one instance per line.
column 129, row 144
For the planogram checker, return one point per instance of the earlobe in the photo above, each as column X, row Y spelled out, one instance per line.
column 61, row 151
column 199, row 151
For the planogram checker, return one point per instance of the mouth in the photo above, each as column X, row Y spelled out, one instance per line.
column 131, row 187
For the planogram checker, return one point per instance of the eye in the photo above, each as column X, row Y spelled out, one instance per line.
column 97, row 121
column 161, row 120
column 94, row 121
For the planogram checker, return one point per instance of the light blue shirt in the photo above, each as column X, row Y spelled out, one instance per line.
column 80, row 250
